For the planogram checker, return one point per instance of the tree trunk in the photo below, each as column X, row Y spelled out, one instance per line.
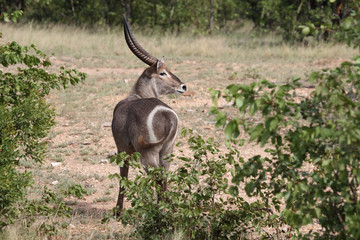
column 211, row 21
column 127, row 4
column 154, row 13
column 73, row 8
column 21, row 5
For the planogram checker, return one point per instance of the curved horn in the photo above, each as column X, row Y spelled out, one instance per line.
column 135, row 47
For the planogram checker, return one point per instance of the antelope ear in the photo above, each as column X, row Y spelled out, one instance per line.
column 159, row 64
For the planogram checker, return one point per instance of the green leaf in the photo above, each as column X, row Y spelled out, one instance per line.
column 264, row 137
column 220, row 119
column 256, row 131
column 253, row 108
column 234, row 191
column 232, row 130
column 326, row 162
column 313, row 77
column 271, row 123
column 249, row 188
column 239, row 101
column 6, row 17
column 229, row 130
column 318, row 212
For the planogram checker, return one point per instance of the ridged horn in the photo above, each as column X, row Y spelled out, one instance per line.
column 135, row 47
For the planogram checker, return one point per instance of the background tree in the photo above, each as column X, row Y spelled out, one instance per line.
column 294, row 20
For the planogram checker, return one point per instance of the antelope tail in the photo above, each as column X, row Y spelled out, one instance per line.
column 145, row 144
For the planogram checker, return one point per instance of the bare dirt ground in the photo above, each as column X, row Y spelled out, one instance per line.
column 81, row 142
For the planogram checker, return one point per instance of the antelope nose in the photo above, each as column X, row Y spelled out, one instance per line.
column 183, row 87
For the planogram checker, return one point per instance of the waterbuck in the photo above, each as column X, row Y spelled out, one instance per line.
column 141, row 122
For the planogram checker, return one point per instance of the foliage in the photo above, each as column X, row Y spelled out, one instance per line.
column 75, row 12
column 172, row 15
column 13, row 184
column 12, row 17
column 349, row 30
column 296, row 20
column 200, row 201
column 75, row 190
column 45, row 214
column 312, row 160
column 50, row 208
column 25, row 117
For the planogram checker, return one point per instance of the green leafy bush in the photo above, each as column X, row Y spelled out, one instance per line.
column 74, row 189
column 200, row 201
column 25, row 116
column 312, row 168
column 41, row 218
column 50, row 209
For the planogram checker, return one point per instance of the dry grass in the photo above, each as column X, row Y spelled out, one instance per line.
column 237, row 52
column 240, row 46
column 81, row 139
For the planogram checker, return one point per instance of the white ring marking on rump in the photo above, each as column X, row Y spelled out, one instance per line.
column 149, row 122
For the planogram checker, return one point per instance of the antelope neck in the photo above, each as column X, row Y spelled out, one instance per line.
column 142, row 89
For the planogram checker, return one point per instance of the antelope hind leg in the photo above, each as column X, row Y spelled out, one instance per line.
column 152, row 159
column 120, row 202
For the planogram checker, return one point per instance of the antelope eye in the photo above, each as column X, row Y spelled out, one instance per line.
column 162, row 74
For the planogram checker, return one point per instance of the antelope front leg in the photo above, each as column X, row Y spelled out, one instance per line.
column 163, row 183
column 120, row 202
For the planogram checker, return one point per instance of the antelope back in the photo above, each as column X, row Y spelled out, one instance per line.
column 144, row 123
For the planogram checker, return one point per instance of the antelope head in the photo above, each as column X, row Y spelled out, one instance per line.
column 157, row 76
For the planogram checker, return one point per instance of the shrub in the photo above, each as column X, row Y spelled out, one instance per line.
column 73, row 189
column 200, row 201
column 25, row 116
column 312, row 168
